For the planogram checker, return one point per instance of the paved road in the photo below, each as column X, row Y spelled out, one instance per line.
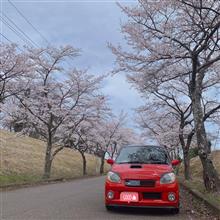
column 79, row 199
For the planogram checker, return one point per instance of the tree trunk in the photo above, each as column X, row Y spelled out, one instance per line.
column 175, row 154
column 210, row 175
column 48, row 158
column 114, row 150
column 102, row 164
column 172, row 154
column 185, row 149
column 186, row 164
column 84, row 163
column 47, row 168
column 187, row 171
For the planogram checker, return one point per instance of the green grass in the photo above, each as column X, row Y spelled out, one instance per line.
column 22, row 161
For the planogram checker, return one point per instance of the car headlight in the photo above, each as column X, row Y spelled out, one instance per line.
column 167, row 178
column 113, row 177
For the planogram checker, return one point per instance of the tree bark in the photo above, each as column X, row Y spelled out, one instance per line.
column 172, row 154
column 114, row 149
column 185, row 148
column 84, row 163
column 187, row 171
column 210, row 175
column 48, row 159
column 102, row 164
column 186, row 164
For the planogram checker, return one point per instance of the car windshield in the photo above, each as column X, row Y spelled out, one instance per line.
column 143, row 154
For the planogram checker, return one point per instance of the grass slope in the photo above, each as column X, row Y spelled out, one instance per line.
column 197, row 175
column 196, row 165
column 22, row 160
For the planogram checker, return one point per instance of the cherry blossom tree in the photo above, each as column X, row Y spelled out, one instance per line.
column 110, row 135
column 168, row 122
column 171, row 40
column 168, row 117
column 80, row 135
column 106, row 131
column 14, row 66
column 123, row 136
column 78, row 140
column 12, row 117
column 54, row 95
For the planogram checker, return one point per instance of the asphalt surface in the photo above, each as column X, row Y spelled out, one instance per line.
column 79, row 199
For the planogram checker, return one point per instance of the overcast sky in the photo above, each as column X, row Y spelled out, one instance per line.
column 88, row 25
column 85, row 24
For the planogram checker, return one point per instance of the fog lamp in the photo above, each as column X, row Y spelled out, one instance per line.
column 171, row 197
column 110, row 195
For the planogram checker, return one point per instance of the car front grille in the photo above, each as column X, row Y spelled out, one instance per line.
column 148, row 183
column 152, row 195
column 140, row 183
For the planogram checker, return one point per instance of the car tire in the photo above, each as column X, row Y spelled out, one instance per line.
column 175, row 210
column 109, row 208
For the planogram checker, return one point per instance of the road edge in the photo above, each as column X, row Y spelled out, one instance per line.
column 45, row 182
column 214, row 206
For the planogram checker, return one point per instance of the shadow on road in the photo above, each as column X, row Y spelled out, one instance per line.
column 142, row 211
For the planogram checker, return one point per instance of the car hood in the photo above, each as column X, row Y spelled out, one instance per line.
column 141, row 171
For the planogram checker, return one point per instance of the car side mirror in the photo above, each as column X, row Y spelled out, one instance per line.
column 175, row 162
column 110, row 161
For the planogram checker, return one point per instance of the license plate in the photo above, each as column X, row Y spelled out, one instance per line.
column 129, row 197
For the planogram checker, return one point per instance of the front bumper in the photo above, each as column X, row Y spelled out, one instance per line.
column 162, row 202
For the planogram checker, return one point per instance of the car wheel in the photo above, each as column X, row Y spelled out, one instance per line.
column 109, row 208
column 175, row 210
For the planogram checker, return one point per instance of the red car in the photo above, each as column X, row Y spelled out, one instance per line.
column 142, row 176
